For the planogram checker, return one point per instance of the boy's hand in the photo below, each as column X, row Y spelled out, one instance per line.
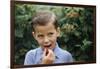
column 48, row 56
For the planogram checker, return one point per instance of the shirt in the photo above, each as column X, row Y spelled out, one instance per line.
column 35, row 56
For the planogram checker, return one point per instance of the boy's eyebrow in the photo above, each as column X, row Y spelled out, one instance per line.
column 39, row 33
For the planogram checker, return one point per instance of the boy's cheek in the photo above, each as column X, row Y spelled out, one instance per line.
column 38, row 40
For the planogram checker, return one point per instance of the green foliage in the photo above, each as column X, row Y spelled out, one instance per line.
column 76, row 30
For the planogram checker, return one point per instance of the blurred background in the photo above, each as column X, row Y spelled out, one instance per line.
column 77, row 26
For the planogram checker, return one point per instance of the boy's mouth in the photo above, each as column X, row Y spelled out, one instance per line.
column 47, row 46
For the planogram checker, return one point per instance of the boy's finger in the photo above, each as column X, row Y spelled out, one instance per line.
column 44, row 52
column 50, row 52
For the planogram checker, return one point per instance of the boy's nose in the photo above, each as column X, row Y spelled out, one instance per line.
column 46, row 40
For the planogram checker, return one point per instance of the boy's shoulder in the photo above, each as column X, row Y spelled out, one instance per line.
column 64, row 52
column 32, row 51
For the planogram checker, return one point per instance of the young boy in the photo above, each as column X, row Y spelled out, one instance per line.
column 46, row 31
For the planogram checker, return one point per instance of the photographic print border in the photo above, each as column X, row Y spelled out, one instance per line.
column 12, row 35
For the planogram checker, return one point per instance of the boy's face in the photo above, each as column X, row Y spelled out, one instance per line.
column 46, row 35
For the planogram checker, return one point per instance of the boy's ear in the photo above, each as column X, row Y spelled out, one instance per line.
column 33, row 34
column 58, row 30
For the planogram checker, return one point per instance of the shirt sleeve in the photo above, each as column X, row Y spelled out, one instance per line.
column 29, row 58
column 69, row 57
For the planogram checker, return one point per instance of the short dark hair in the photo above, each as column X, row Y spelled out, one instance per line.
column 43, row 18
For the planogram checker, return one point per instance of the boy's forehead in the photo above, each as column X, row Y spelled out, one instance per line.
column 45, row 28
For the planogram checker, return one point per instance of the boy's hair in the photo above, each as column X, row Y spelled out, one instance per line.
column 42, row 18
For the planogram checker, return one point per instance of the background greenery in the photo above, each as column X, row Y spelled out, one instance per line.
column 77, row 30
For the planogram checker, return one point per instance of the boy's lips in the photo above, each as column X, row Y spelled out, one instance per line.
column 47, row 46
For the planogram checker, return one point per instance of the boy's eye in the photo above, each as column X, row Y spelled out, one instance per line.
column 50, row 34
column 40, row 35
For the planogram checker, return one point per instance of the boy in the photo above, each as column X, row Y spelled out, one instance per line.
column 46, row 31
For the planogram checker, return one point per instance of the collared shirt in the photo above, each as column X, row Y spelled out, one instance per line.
column 35, row 56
